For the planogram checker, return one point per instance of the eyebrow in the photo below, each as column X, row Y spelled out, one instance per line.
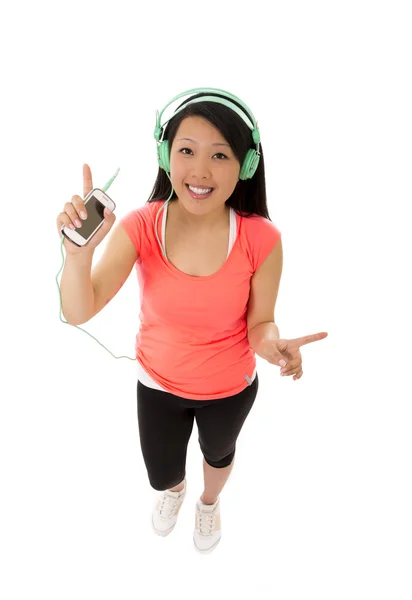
column 214, row 144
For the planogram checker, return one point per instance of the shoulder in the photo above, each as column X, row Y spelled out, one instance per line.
column 142, row 216
column 261, row 236
column 256, row 224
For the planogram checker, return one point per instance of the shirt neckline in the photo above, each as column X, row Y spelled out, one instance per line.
column 234, row 221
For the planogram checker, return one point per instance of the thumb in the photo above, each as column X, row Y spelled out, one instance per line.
column 107, row 224
column 282, row 347
column 109, row 216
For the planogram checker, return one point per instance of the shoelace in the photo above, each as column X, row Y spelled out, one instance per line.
column 170, row 503
column 206, row 522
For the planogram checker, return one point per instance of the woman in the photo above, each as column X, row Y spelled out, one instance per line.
column 208, row 261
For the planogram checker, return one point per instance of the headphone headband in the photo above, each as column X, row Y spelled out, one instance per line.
column 220, row 100
column 251, row 123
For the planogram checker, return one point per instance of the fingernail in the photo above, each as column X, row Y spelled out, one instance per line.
column 83, row 215
column 283, row 363
column 77, row 223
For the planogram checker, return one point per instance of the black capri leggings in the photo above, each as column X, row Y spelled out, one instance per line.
column 166, row 423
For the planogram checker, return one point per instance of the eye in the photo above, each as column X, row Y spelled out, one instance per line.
column 182, row 150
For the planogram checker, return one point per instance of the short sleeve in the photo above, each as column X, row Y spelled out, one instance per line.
column 133, row 225
column 263, row 236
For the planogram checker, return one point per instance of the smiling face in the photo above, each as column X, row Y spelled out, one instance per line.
column 201, row 158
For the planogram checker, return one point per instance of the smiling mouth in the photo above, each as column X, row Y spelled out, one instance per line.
column 201, row 188
column 199, row 194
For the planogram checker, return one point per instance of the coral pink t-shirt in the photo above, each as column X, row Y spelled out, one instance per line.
column 192, row 340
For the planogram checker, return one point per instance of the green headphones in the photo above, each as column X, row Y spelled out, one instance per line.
column 251, row 160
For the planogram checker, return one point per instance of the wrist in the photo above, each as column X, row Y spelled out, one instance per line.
column 79, row 260
column 262, row 333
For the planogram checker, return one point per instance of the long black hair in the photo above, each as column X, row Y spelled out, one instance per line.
column 249, row 196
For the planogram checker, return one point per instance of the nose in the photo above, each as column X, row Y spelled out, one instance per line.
column 201, row 169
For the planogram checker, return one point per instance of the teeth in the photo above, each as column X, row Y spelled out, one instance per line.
column 199, row 190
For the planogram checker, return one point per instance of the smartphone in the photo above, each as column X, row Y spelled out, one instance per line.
column 95, row 201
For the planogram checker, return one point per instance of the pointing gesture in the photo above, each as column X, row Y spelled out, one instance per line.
column 75, row 212
column 286, row 353
column 87, row 180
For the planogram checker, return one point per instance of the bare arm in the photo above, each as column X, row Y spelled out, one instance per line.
column 76, row 288
column 85, row 293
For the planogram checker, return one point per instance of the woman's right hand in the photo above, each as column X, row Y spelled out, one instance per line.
column 72, row 217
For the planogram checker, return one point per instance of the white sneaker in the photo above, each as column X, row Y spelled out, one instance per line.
column 207, row 527
column 166, row 511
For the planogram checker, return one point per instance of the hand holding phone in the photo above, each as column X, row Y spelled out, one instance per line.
column 84, row 222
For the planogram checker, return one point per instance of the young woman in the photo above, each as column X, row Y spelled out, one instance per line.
column 208, row 261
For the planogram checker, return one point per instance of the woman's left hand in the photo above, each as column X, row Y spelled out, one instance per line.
column 286, row 353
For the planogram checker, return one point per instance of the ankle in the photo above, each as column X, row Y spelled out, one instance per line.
column 207, row 499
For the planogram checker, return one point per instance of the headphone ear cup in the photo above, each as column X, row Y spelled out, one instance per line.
column 163, row 156
column 250, row 164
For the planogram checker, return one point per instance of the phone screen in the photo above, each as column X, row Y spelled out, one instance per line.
column 95, row 215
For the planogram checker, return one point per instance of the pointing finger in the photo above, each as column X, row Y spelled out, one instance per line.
column 87, row 180
column 307, row 339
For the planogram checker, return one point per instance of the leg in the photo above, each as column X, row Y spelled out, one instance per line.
column 215, row 480
column 165, row 427
column 219, row 423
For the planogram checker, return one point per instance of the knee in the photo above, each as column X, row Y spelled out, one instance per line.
column 220, row 463
column 164, row 483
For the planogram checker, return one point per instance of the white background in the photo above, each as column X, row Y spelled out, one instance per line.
column 319, row 502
